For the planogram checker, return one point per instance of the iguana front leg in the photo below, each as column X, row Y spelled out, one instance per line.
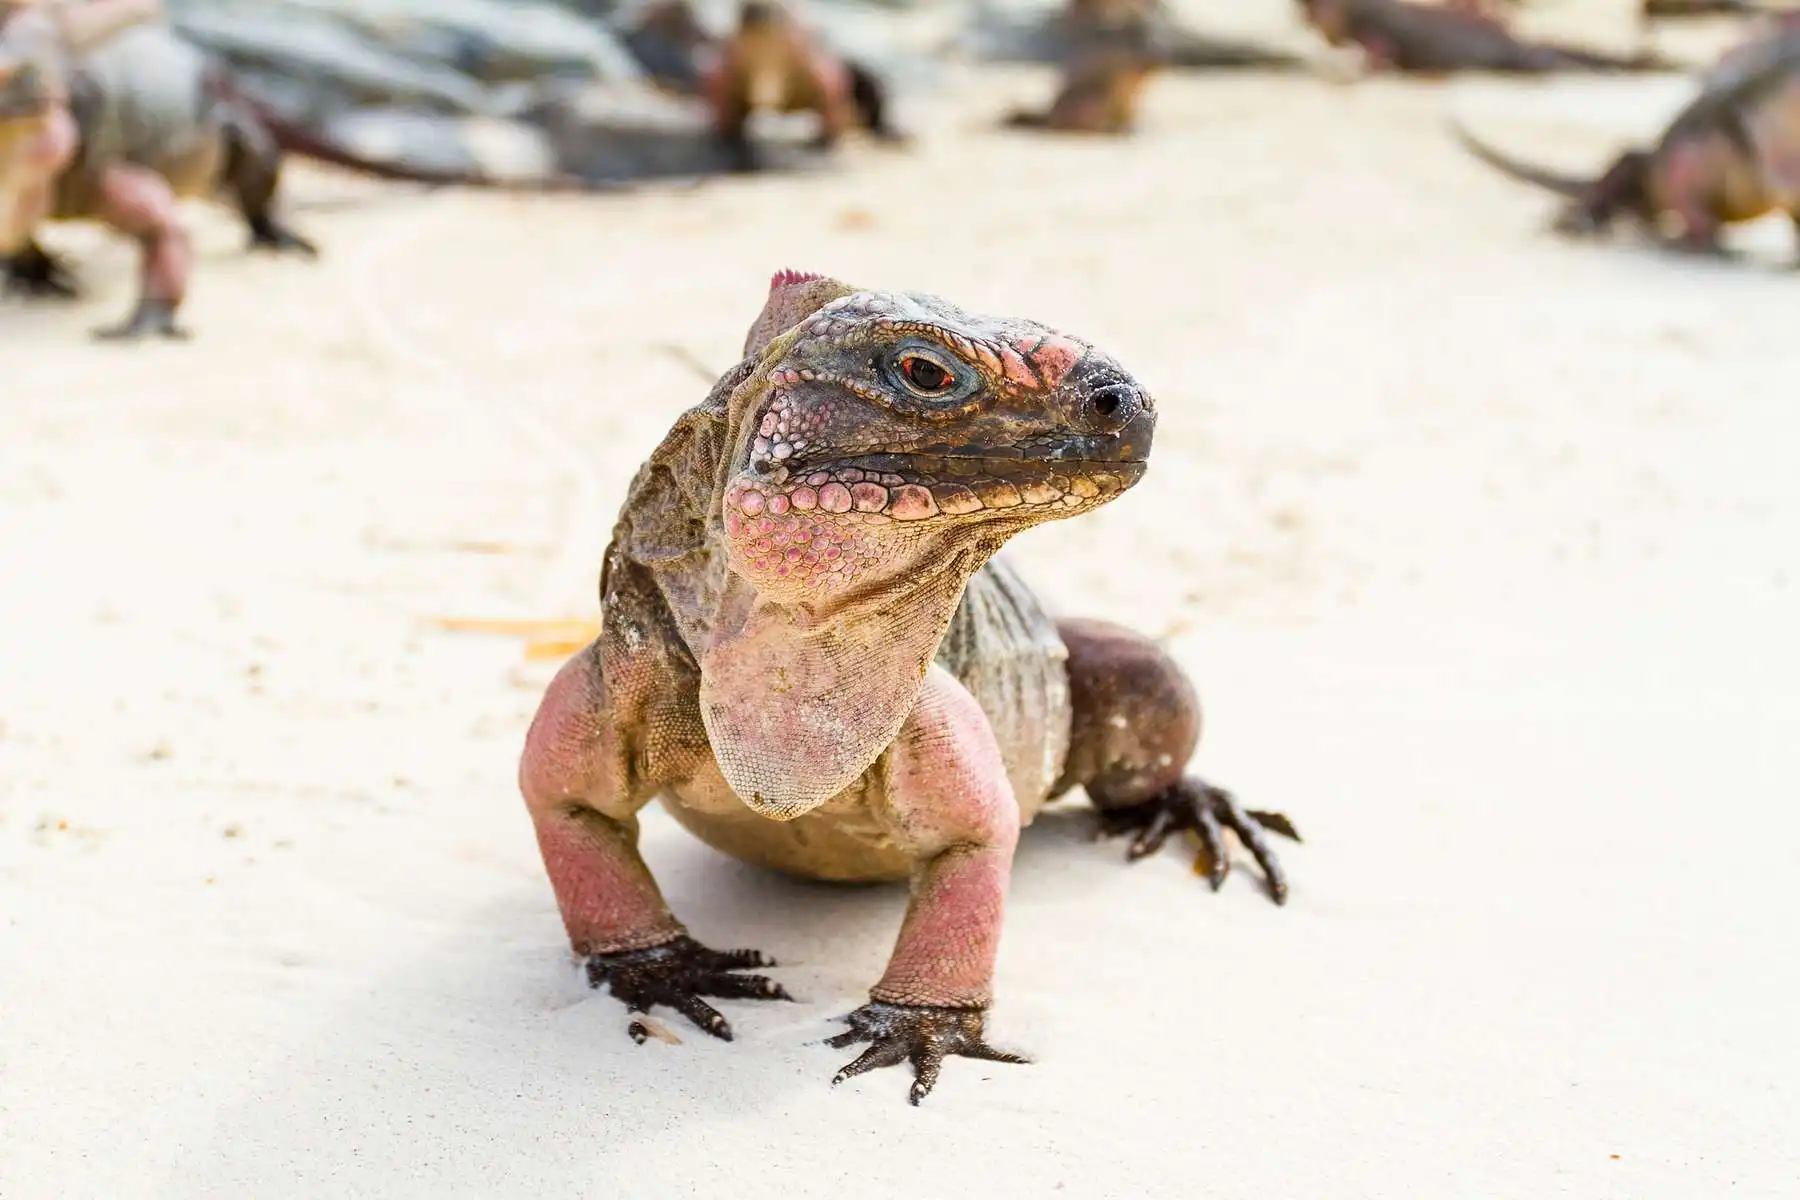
column 952, row 807
column 581, row 789
column 138, row 202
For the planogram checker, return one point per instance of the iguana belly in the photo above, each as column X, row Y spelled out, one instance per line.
column 1005, row 649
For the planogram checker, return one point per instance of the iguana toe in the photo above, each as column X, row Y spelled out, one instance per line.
column 677, row 974
column 1205, row 811
column 268, row 234
column 920, row 1034
column 35, row 273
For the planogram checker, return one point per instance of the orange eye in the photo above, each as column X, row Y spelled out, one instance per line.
column 924, row 374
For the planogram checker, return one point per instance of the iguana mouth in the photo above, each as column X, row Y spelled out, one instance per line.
column 918, row 486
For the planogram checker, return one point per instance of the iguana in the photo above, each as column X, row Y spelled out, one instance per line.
column 39, row 40
column 1100, row 87
column 159, row 121
column 810, row 654
column 155, row 125
column 1402, row 36
column 1732, row 154
column 772, row 62
column 1067, row 33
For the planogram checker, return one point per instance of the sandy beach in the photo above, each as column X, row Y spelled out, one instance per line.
column 1483, row 547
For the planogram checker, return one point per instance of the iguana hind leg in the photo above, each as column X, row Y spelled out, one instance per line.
column 949, row 803
column 1136, row 725
column 869, row 94
column 253, row 173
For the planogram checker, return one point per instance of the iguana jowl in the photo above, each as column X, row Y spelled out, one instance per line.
column 808, row 655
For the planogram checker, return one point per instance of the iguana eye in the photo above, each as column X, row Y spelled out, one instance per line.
column 924, row 374
column 927, row 373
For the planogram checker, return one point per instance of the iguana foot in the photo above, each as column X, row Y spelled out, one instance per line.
column 915, row 1033
column 1702, row 247
column 35, row 272
column 266, row 233
column 150, row 317
column 1205, row 811
column 677, row 974
column 1576, row 221
column 739, row 155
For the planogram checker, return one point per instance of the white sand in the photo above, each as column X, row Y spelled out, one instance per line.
column 1483, row 547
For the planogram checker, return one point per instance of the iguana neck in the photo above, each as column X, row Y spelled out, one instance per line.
column 799, row 702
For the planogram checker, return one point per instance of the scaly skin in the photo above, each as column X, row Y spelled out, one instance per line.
column 1733, row 154
column 808, row 656
column 1403, row 36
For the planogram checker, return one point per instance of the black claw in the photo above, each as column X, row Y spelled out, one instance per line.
column 920, row 1034
column 1205, row 811
column 1274, row 821
column 676, row 974
column 702, row 1014
column 745, row 987
column 736, row 960
column 881, row 1054
column 35, row 272
column 1214, row 858
column 266, row 233
column 1154, row 833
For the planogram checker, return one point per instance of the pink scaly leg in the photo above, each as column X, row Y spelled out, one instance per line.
column 577, row 781
column 952, row 806
column 138, row 202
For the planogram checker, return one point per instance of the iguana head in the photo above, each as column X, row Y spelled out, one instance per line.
column 885, row 429
column 879, row 447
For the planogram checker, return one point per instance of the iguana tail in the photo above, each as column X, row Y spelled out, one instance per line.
column 1702, row 8
column 296, row 139
column 1643, row 61
column 1563, row 185
column 1194, row 52
column 293, row 138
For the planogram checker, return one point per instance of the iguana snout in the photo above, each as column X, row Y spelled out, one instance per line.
column 892, row 426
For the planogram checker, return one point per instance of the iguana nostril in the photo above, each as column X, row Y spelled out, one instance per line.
column 1112, row 406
